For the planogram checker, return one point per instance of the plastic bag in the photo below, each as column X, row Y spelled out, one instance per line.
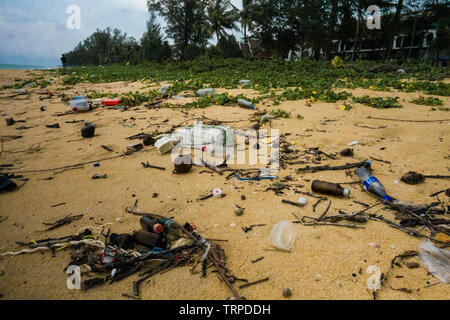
column 283, row 235
column 436, row 260
column 374, row 281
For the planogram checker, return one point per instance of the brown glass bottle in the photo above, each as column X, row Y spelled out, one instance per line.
column 333, row 189
column 150, row 239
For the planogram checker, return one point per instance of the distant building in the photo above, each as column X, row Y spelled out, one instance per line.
column 254, row 49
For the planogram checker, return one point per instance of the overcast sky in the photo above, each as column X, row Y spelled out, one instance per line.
column 34, row 32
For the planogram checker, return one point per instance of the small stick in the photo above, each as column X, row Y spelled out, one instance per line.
column 213, row 168
column 316, row 204
column 352, row 226
column 277, row 250
column 437, row 177
column 326, row 167
column 57, row 205
column 292, row 203
column 66, row 220
column 107, row 149
column 380, row 160
column 361, row 203
column 217, row 240
column 432, row 284
column 325, row 212
column 148, row 165
column 250, row 228
column 130, row 296
column 401, row 120
column 437, row 193
column 257, row 260
column 206, row 197
column 296, row 217
column 253, row 283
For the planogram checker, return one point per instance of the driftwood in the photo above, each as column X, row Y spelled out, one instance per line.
column 292, row 203
column 212, row 252
column 253, row 283
column 326, row 167
column 62, row 222
column 402, row 120
column 71, row 166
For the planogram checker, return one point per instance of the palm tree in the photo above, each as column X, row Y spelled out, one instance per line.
column 248, row 12
column 398, row 12
column 221, row 17
column 358, row 26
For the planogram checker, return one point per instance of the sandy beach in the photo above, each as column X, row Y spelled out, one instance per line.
column 326, row 262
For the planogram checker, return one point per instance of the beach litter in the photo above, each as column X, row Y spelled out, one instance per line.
column 436, row 260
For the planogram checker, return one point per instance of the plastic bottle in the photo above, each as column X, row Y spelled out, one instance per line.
column 79, row 105
column 283, row 235
column 114, row 102
column 245, row 104
column 372, row 184
column 206, row 92
column 150, row 239
column 169, row 226
column 151, row 225
column 333, row 189
column 164, row 91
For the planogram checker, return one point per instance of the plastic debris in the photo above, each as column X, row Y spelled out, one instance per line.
column 283, row 235
column 217, row 193
column 374, row 281
column 436, row 260
column 166, row 144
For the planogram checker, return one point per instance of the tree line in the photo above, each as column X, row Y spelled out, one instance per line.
column 280, row 26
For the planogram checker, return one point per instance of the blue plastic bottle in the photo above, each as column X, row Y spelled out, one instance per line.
column 372, row 184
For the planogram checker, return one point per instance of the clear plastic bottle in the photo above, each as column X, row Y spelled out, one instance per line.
column 169, row 225
column 79, row 105
column 206, row 92
column 164, row 91
column 245, row 104
column 372, row 184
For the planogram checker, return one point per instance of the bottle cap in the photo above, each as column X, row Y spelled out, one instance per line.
column 158, row 228
column 217, row 193
column 347, row 193
column 368, row 164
